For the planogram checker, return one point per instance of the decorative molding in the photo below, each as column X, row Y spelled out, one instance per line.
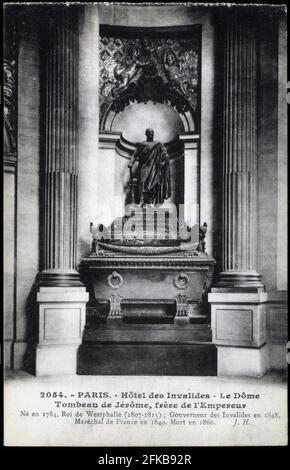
column 115, row 280
column 181, row 305
column 196, row 263
column 10, row 160
column 115, row 305
column 181, row 280
column 190, row 140
column 109, row 139
column 192, row 254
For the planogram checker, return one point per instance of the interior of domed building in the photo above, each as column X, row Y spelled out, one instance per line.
column 115, row 268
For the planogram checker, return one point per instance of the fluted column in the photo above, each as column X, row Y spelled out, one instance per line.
column 60, row 150
column 238, row 300
column 240, row 155
column 61, row 297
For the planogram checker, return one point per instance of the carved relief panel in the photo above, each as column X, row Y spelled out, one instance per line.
column 141, row 65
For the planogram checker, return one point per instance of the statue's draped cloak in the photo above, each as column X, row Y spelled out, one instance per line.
column 154, row 172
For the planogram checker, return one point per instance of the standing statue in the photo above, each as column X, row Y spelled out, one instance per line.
column 153, row 171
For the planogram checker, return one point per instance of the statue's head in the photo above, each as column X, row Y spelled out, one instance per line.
column 149, row 133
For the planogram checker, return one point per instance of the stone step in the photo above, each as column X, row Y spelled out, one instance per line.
column 199, row 359
column 117, row 330
column 145, row 310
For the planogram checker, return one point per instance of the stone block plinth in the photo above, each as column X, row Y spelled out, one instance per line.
column 62, row 315
column 238, row 322
column 245, row 362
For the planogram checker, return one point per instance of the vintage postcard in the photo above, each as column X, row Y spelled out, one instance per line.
column 145, row 225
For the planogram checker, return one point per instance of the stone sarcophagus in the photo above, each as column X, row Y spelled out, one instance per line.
column 148, row 310
column 150, row 268
column 164, row 288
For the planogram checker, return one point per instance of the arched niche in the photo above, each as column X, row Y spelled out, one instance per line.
column 136, row 117
column 177, row 131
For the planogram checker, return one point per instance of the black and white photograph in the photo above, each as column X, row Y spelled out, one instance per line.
column 145, row 225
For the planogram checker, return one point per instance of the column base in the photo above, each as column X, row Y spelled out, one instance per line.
column 246, row 362
column 62, row 315
column 59, row 278
column 235, row 281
